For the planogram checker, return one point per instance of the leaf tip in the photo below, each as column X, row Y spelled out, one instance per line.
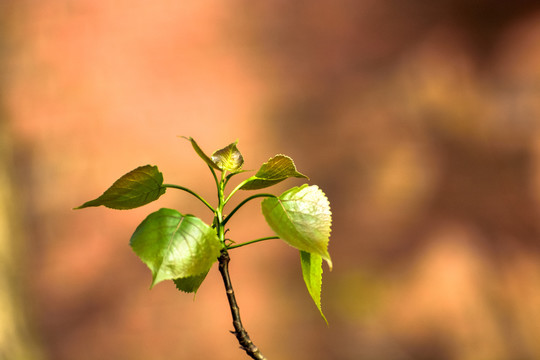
column 155, row 281
column 85, row 205
column 329, row 263
column 326, row 257
column 324, row 317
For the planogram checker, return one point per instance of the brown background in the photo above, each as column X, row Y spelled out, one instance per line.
column 420, row 121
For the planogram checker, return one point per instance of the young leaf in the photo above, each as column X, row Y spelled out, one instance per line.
column 301, row 217
column 312, row 273
column 136, row 188
column 277, row 169
column 175, row 246
column 229, row 158
column 190, row 284
column 201, row 153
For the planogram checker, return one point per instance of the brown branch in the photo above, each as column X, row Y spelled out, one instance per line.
column 241, row 334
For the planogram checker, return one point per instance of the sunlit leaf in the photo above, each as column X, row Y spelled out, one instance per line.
column 229, row 158
column 312, row 273
column 277, row 169
column 190, row 284
column 301, row 217
column 136, row 188
column 201, row 153
column 175, row 246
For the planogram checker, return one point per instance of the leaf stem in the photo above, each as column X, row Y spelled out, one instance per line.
column 241, row 334
column 214, row 175
column 243, row 203
column 191, row 192
column 236, row 189
column 219, row 211
column 252, row 242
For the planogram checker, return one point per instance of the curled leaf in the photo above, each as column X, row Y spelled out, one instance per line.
column 201, row 153
column 229, row 158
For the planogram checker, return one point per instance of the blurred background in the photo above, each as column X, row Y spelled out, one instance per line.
column 420, row 121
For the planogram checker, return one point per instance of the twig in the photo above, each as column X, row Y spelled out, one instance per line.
column 241, row 334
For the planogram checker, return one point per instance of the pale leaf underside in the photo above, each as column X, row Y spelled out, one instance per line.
column 175, row 246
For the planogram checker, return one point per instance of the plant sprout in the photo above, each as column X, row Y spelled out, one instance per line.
column 183, row 248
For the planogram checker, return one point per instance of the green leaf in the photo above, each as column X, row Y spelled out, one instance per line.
column 229, row 158
column 301, row 217
column 312, row 273
column 277, row 169
column 201, row 153
column 175, row 246
column 136, row 188
column 190, row 284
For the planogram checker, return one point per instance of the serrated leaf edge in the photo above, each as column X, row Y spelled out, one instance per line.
column 326, row 256
column 272, row 181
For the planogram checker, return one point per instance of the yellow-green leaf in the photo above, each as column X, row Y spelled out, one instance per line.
column 201, row 153
column 175, row 246
column 312, row 273
column 301, row 217
column 136, row 188
column 228, row 159
column 277, row 169
column 190, row 284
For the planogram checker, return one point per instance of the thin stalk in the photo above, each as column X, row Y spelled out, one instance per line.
column 191, row 192
column 219, row 211
column 243, row 203
column 214, row 175
column 241, row 334
column 236, row 189
column 229, row 177
column 252, row 242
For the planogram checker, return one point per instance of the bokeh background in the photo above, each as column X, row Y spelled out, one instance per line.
column 420, row 120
